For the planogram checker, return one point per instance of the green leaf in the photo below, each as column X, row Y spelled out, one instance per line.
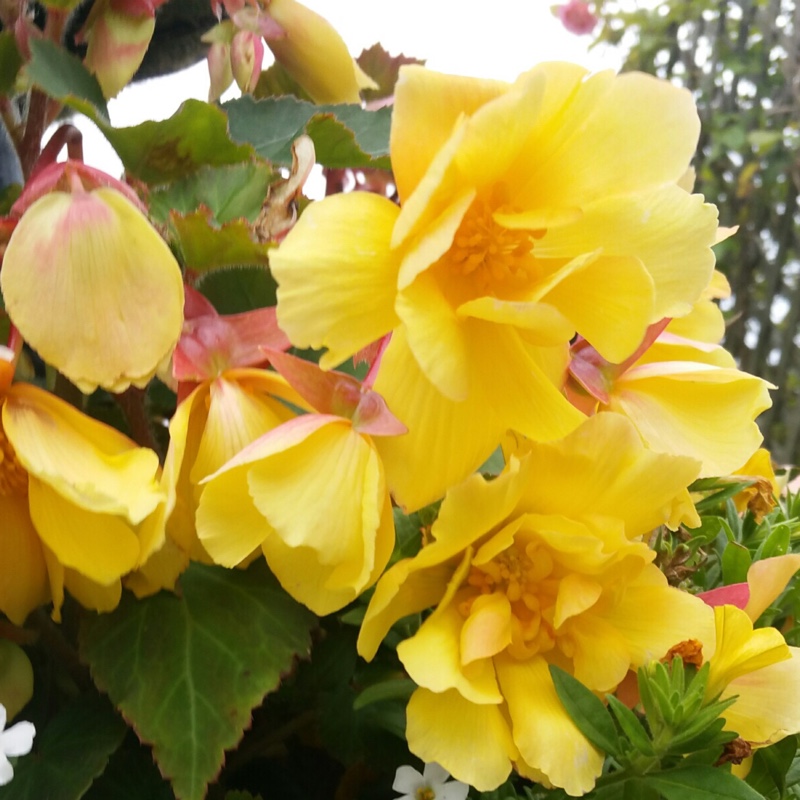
column 62, row 76
column 770, row 766
column 194, row 136
column 205, row 246
column 229, row 192
column 383, row 68
column 344, row 135
column 701, row 783
column 10, row 61
column 631, row 726
column 187, row 670
column 586, row 711
column 69, row 753
column 736, row 561
column 777, row 543
column 236, row 290
column 397, row 688
column 408, row 535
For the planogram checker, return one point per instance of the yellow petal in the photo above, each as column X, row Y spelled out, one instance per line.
column 690, row 409
column 102, row 547
column 433, row 102
column 487, row 630
column 602, row 657
column 160, row 571
column 572, row 476
column 229, row 526
column 576, row 594
column 740, row 649
column 93, row 288
column 653, row 617
column 446, row 440
column 441, row 634
column 762, row 713
column 336, row 275
column 472, row 742
column 90, row 464
column 669, row 231
column 24, row 585
column 767, row 579
column 92, row 595
column 547, row 738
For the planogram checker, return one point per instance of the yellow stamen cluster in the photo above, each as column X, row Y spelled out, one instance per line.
column 490, row 254
column 13, row 477
column 527, row 575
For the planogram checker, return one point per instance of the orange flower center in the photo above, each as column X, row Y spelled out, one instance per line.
column 496, row 259
column 13, row 478
column 529, row 578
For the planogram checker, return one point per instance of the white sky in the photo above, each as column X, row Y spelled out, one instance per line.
column 495, row 39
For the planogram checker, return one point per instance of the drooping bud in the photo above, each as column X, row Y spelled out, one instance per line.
column 90, row 284
column 577, row 17
column 247, row 53
column 314, row 54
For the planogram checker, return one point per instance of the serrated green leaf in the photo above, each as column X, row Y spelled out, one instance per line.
column 187, row 670
column 384, row 69
column 61, row 75
column 344, row 135
column 586, row 711
column 10, row 61
column 240, row 289
column 69, row 753
column 205, row 246
column 736, row 561
column 228, row 192
column 194, row 136
column 701, row 783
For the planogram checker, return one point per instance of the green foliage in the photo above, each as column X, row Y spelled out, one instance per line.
column 70, row 752
column 186, row 671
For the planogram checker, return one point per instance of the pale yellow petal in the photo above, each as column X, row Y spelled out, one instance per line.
column 767, row 579
column 547, row 738
column 24, row 585
column 229, row 525
column 102, row 547
column 441, row 634
column 763, row 712
column 487, row 630
column 472, row 742
column 705, row 413
column 576, row 594
column 93, row 288
column 544, row 324
column 88, row 463
column 336, row 275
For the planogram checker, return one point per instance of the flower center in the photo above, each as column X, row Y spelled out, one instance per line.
column 529, row 578
column 493, row 257
column 13, row 478
column 425, row 793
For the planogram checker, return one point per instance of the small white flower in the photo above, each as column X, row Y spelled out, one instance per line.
column 16, row 741
column 431, row 785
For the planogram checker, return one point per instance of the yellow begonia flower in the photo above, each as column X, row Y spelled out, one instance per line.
column 529, row 211
column 543, row 565
column 93, row 288
column 213, row 424
column 81, row 505
column 312, row 496
column 315, row 55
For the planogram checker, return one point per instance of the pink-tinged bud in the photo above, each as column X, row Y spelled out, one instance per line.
column 314, row 54
column 91, row 286
column 577, row 17
column 247, row 53
column 118, row 33
column 219, row 58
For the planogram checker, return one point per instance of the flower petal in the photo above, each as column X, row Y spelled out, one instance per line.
column 767, row 579
column 472, row 742
column 337, row 277
column 547, row 738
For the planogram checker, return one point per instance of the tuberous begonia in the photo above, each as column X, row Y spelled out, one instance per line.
column 88, row 282
column 574, row 219
column 81, row 505
column 310, row 494
column 543, row 565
